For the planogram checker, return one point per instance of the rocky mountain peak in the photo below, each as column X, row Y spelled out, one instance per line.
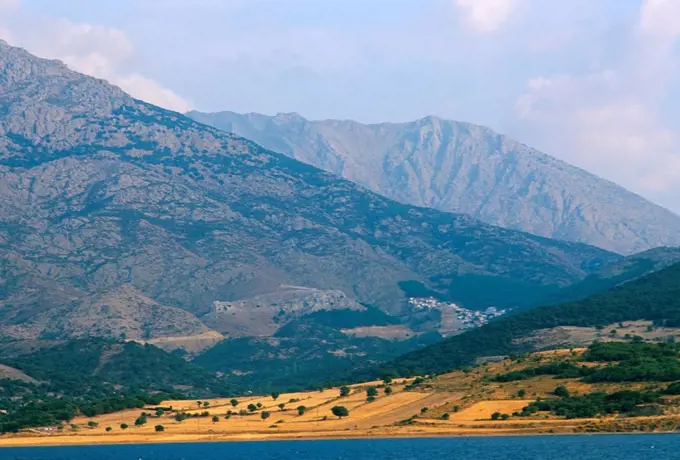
column 464, row 168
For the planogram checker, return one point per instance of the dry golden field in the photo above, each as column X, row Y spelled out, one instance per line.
column 467, row 398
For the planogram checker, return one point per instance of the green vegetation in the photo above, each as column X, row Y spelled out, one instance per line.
column 100, row 367
column 318, row 366
column 141, row 420
column 37, row 408
column 340, row 411
column 561, row 370
column 654, row 297
column 344, row 391
column 91, row 377
column 593, row 404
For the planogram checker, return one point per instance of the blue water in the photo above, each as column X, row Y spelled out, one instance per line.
column 601, row 447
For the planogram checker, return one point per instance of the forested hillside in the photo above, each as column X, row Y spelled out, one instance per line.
column 654, row 297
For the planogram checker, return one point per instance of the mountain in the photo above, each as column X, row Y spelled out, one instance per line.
column 460, row 167
column 99, row 191
column 654, row 297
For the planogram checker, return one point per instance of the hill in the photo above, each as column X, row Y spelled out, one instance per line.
column 610, row 387
column 120, row 313
column 460, row 167
column 654, row 297
column 100, row 367
column 103, row 191
column 313, row 350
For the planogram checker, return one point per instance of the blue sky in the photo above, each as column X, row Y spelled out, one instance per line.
column 593, row 82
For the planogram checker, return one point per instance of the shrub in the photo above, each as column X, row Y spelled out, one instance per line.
column 340, row 411
column 561, row 391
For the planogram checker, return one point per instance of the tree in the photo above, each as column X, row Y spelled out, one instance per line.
column 234, row 402
column 344, row 391
column 388, row 391
column 265, row 415
column 159, row 428
column 281, row 406
column 92, row 424
column 275, row 395
column 521, row 393
column 206, row 403
column 424, row 409
column 505, row 416
column 301, row 410
column 259, row 405
column 495, row 416
column 561, row 391
column 370, row 399
column 371, row 391
column 108, row 428
column 446, row 416
column 141, row 420
column 123, row 426
column 252, row 407
column 215, row 419
column 340, row 411
column 159, row 412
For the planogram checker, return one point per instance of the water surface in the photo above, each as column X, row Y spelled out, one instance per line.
column 601, row 447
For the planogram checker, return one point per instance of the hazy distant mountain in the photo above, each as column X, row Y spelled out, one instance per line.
column 459, row 167
column 99, row 191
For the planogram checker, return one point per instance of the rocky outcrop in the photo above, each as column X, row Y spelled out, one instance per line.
column 262, row 315
column 460, row 167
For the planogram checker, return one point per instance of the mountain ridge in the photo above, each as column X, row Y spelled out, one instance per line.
column 462, row 167
column 102, row 190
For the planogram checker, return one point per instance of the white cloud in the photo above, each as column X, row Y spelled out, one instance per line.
column 486, row 15
column 102, row 52
column 660, row 18
column 6, row 5
column 610, row 121
column 587, row 120
column 5, row 34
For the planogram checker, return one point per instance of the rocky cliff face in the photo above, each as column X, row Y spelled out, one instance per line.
column 460, row 167
column 99, row 190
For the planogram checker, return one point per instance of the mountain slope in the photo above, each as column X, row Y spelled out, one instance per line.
column 459, row 167
column 99, row 190
column 655, row 297
column 122, row 313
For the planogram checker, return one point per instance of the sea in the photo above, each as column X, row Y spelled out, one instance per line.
column 596, row 447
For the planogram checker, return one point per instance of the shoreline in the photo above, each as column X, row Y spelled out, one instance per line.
column 111, row 440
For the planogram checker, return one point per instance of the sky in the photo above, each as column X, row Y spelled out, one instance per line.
column 592, row 82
